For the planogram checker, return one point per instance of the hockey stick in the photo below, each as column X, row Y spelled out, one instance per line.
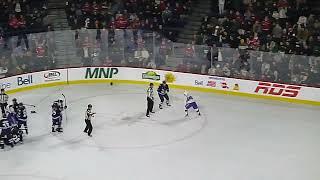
column 31, row 105
column 65, row 106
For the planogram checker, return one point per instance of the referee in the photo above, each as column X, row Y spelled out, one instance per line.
column 89, row 115
column 150, row 100
column 3, row 101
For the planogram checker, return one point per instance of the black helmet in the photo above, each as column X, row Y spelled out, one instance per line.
column 14, row 99
column 89, row 105
column 21, row 104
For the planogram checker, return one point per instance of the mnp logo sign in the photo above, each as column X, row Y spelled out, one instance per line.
column 99, row 73
column 278, row 89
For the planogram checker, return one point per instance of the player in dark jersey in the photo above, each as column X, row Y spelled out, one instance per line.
column 22, row 118
column 6, row 135
column 56, row 118
column 163, row 90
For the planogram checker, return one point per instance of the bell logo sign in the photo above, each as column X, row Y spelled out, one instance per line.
column 278, row 89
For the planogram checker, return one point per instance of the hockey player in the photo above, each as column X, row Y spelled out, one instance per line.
column 22, row 118
column 6, row 135
column 190, row 103
column 56, row 118
column 89, row 114
column 57, row 109
column 15, row 105
column 1, row 139
column 163, row 90
column 150, row 100
column 61, row 105
column 14, row 123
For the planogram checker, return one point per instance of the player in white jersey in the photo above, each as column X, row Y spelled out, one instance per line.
column 190, row 103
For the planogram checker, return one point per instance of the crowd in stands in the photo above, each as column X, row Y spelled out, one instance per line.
column 276, row 26
column 18, row 59
column 130, row 14
column 134, row 19
column 18, row 19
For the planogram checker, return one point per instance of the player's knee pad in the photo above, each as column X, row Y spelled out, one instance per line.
column 161, row 98
column 167, row 97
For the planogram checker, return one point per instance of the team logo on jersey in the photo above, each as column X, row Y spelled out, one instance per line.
column 151, row 75
column 170, row 78
column 52, row 76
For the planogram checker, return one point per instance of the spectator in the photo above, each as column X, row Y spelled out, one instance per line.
column 221, row 6
column 277, row 32
column 254, row 42
column 266, row 25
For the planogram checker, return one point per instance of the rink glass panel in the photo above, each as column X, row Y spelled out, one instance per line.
column 147, row 49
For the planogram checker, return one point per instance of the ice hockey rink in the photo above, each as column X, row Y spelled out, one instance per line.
column 236, row 138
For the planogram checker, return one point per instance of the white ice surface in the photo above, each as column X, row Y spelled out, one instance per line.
column 235, row 139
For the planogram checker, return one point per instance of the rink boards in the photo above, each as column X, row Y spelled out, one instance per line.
column 187, row 81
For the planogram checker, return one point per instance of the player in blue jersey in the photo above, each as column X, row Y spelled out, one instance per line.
column 15, row 124
column 6, row 133
column 15, row 105
column 57, row 108
column 22, row 118
column 190, row 103
column 163, row 90
column 56, row 117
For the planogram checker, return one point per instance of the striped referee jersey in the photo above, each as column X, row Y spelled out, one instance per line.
column 3, row 98
column 150, row 93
